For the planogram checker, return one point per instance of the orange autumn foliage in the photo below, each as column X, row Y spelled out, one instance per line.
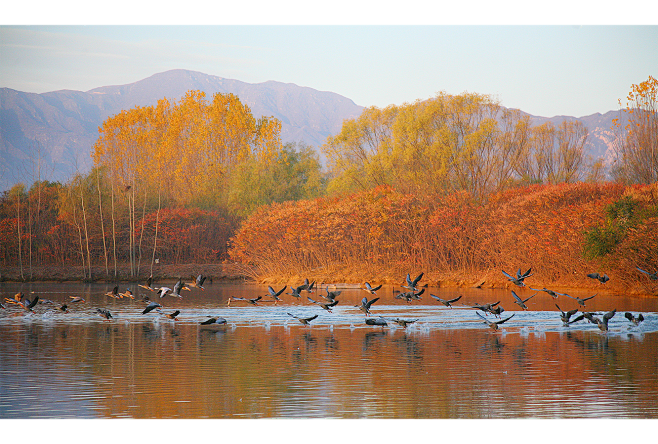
column 382, row 235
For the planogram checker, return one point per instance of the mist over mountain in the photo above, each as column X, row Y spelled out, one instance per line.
column 57, row 130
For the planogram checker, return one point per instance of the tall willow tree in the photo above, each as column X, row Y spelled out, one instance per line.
column 465, row 142
column 554, row 155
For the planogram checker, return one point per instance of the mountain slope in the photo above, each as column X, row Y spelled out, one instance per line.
column 60, row 127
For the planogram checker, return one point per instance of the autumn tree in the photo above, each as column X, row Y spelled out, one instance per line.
column 637, row 151
column 447, row 143
column 555, row 155
column 358, row 155
column 295, row 174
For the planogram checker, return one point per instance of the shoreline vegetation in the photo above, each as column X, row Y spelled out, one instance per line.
column 563, row 232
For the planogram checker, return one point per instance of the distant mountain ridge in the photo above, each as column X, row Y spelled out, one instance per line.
column 60, row 127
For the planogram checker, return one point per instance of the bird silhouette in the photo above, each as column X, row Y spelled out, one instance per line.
column 602, row 279
column 447, row 303
column 370, row 289
column 403, row 322
column 148, row 287
column 304, row 321
column 325, row 305
column 601, row 323
column 150, row 307
column 581, row 301
column 566, row 316
column 521, row 302
column 633, row 319
column 554, row 294
column 518, row 280
column 296, row 291
column 412, row 285
column 309, row 287
column 493, row 324
column 366, row 304
column 23, row 302
column 331, row 295
column 114, row 293
column 410, row 295
column 173, row 315
column 486, row 308
column 198, row 282
column 253, row 301
column 275, row 294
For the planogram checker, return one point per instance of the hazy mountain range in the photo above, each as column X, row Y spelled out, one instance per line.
column 60, row 127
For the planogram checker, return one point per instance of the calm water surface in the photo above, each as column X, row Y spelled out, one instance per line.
column 265, row 364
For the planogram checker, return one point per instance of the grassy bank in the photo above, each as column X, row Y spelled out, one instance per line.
column 563, row 232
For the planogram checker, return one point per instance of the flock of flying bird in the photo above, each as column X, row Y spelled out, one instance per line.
column 414, row 292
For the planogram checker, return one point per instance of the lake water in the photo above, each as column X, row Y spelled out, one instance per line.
column 265, row 364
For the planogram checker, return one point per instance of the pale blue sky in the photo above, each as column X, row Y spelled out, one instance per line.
column 544, row 70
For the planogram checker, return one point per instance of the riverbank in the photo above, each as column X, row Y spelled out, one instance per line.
column 492, row 279
column 65, row 273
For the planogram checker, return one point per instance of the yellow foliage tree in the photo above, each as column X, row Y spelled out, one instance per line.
column 637, row 152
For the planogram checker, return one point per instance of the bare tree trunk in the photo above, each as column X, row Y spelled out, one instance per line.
column 141, row 233
column 18, row 224
column 157, row 220
column 84, row 218
column 114, row 232
column 100, row 210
